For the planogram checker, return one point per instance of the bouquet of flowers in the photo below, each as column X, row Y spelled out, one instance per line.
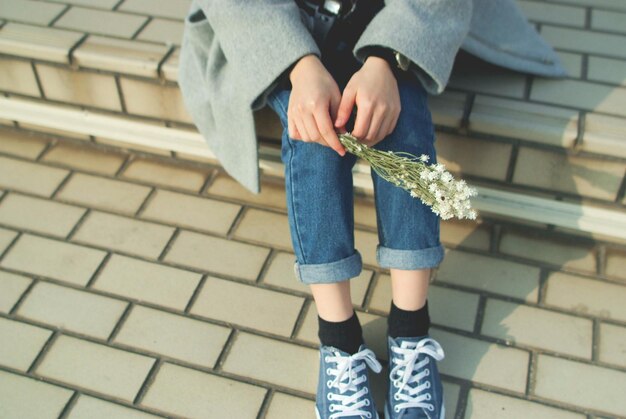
column 432, row 184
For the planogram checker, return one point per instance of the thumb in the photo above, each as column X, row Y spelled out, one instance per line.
column 345, row 108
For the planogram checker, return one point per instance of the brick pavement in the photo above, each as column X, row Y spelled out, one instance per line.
column 128, row 280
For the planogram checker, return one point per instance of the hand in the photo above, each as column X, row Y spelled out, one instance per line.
column 374, row 89
column 313, row 104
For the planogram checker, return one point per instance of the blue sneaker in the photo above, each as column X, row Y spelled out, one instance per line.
column 343, row 390
column 415, row 389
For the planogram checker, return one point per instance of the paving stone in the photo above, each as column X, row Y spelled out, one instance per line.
column 280, row 273
column 489, row 274
column 601, row 389
column 87, row 407
column 175, row 9
column 451, row 397
column 71, row 309
column 482, row 362
column 586, row 296
column 147, row 281
column 133, row 146
column 374, row 330
column 22, row 343
column 25, row 397
column 529, row 121
column 125, row 234
column 284, row 405
column 21, row 144
column 581, row 176
column 549, row 250
column 85, row 158
column 161, row 173
column 169, row 69
column 365, row 212
column 162, row 31
column 446, row 306
column 553, row 13
column 58, row 133
column 96, row 4
column 584, row 41
column 120, row 55
column 153, row 99
column 486, row 404
column 30, row 177
column 196, row 394
column 217, row 255
column 616, row 263
column 447, row 109
column 269, row 127
column 36, row 42
column 607, row 70
column 175, row 336
column 605, row 20
column 457, row 154
column 580, row 95
column 612, row 344
column 366, row 242
column 472, row 234
column 274, row 312
column 41, row 215
column 604, row 134
column 79, row 87
column 552, row 331
column 277, row 362
column 610, row 4
column 572, row 63
column 16, row 75
column 191, row 211
column 104, row 22
column 54, row 259
column 30, row 11
column 96, row 367
column 266, row 228
column 272, row 194
column 108, row 194
column 6, row 237
column 499, row 82
column 12, row 287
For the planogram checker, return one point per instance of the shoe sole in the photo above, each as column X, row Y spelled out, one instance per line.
column 317, row 414
column 442, row 415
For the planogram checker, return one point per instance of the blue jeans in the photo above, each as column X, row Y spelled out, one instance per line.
column 319, row 192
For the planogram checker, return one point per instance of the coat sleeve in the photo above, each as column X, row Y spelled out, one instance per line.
column 428, row 32
column 261, row 40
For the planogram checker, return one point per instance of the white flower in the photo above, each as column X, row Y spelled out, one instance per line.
column 424, row 157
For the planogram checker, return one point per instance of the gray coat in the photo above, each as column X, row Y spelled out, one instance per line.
column 232, row 59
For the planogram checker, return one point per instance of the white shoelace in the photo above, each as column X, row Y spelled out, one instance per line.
column 349, row 404
column 406, row 365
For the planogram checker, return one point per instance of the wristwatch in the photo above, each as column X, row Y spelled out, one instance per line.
column 397, row 60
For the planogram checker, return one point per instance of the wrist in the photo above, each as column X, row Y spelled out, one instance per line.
column 302, row 63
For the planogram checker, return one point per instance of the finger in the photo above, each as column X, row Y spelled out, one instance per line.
column 292, row 129
column 363, row 119
column 345, row 107
column 311, row 127
column 325, row 126
column 376, row 124
column 301, row 128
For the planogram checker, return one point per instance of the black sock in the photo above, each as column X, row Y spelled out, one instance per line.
column 345, row 335
column 408, row 323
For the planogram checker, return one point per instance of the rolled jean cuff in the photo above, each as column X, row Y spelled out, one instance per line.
column 429, row 257
column 328, row 273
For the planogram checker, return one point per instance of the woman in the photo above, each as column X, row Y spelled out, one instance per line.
column 314, row 96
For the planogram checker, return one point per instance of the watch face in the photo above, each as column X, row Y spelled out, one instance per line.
column 403, row 61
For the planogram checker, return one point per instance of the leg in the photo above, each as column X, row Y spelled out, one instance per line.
column 319, row 192
column 408, row 230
